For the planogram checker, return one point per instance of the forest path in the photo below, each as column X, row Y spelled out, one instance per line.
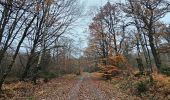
column 84, row 87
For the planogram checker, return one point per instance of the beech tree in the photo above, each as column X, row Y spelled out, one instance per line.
column 108, row 32
column 12, row 22
column 56, row 18
column 33, row 26
column 149, row 12
column 14, row 27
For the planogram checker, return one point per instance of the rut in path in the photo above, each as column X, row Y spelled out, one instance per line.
column 87, row 89
column 73, row 94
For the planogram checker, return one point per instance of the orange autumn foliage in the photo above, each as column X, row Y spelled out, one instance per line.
column 118, row 59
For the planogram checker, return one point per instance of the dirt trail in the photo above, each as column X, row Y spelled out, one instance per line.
column 90, row 89
column 84, row 87
column 73, row 94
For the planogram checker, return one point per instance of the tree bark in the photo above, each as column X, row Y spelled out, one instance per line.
column 154, row 52
column 28, row 65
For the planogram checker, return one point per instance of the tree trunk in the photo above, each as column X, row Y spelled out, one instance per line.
column 150, row 70
column 139, row 59
column 28, row 65
column 12, row 62
column 37, row 37
column 5, row 18
column 15, row 55
column 2, row 53
column 154, row 52
column 37, row 68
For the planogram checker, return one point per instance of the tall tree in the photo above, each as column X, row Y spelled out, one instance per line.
column 149, row 12
column 55, row 19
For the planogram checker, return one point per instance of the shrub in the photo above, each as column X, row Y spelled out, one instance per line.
column 142, row 86
column 138, row 74
column 49, row 75
column 118, row 60
column 165, row 70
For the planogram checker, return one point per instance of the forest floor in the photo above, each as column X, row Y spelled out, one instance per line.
column 88, row 86
column 70, row 87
